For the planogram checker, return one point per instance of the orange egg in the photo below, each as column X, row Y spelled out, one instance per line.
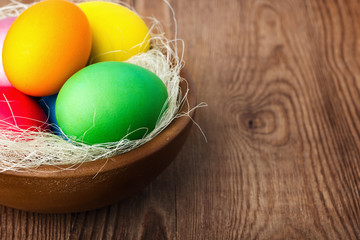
column 46, row 44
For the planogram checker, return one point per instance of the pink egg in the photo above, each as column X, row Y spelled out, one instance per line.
column 4, row 28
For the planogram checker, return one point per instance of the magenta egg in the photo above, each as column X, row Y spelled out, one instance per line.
column 5, row 24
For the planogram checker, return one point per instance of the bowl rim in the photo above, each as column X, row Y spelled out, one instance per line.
column 103, row 165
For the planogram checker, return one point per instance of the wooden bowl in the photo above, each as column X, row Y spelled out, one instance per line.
column 102, row 182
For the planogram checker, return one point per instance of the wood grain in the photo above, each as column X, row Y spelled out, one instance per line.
column 282, row 81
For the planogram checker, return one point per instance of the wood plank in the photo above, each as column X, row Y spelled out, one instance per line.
column 281, row 81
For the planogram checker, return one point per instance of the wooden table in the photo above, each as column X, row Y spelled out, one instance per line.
column 282, row 81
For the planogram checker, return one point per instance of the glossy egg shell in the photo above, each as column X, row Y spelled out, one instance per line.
column 109, row 101
column 20, row 111
column 118, row 33
column 48, row 105
column 45, row 45
column 5, row 24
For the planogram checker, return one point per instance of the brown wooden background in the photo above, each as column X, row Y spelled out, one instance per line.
column 282, row 81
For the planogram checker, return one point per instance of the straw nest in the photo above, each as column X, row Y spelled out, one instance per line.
column 30, row 149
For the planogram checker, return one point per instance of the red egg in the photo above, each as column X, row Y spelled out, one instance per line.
column 18, row 111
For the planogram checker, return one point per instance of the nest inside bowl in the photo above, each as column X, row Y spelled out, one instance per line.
column 31, row 149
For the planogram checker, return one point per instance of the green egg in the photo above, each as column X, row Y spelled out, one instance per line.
column 110, row 101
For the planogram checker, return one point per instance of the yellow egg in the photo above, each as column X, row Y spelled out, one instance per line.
column 118, row 33
column 46, row 44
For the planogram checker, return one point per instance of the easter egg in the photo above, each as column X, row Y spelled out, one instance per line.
column 48, row 105
column 46, row 44
column 18, row 111
column 118, row 33
column 5, row 24
column 110, row 101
